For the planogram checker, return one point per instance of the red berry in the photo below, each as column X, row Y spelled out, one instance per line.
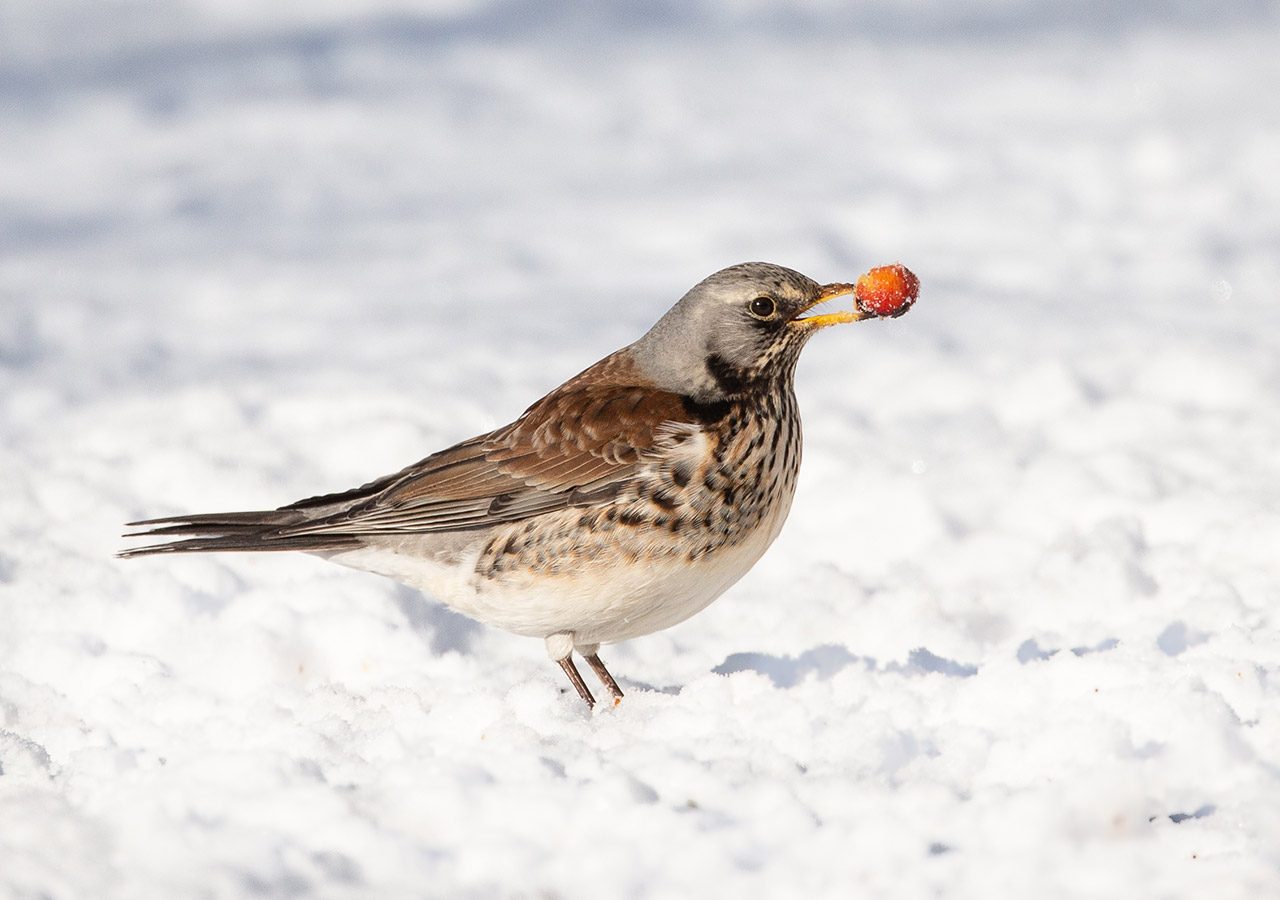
column 887, row 290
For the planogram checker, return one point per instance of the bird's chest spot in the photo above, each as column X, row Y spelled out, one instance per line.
column 729, row 481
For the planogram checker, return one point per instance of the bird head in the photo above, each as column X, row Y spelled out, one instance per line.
column 739, row 330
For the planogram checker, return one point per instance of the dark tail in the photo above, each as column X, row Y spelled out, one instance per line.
column 238, row 531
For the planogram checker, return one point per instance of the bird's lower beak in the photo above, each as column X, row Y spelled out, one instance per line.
column 830, row 292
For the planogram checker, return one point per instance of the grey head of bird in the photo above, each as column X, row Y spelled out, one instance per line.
column 737, row 331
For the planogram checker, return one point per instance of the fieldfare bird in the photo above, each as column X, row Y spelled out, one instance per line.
column 619, row 504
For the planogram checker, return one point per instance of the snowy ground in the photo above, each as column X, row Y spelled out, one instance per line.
column 1019, row 637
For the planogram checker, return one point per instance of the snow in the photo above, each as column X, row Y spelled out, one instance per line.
column 1019, row 636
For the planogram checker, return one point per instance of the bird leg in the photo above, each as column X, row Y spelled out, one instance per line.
column 597, row 666
column 581, row 686
column 560, row 649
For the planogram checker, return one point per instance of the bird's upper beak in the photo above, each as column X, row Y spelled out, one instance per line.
column 828, row 292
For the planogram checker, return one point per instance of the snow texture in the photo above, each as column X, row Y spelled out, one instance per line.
column 1019, row 636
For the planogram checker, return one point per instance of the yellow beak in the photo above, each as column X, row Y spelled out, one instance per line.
column 830, row 292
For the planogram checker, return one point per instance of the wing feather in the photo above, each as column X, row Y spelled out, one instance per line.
column 581, row 445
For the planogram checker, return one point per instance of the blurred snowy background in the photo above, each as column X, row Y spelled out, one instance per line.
column 1020, row 634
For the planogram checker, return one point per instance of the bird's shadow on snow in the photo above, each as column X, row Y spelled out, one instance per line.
column 441, row 628
column 1178, row 818
column 826, row 660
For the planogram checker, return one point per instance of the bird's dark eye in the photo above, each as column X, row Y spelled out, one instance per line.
column 763, row 307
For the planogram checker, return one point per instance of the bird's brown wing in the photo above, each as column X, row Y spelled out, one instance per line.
column 581, row 445
column 578, row 446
